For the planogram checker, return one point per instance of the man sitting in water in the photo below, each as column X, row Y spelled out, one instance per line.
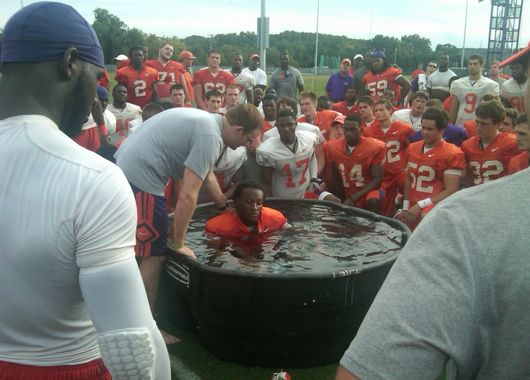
column 250, row 217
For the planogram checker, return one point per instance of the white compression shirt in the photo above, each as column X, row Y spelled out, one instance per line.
column 64, row 210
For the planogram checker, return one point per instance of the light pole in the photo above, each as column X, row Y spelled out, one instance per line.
column 464, row 42
column 316, row 50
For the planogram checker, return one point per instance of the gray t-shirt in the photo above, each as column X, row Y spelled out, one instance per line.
column 459, row 292
column 166, row 143
column 286, row 82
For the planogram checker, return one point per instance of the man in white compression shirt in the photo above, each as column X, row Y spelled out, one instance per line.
column 72, row 296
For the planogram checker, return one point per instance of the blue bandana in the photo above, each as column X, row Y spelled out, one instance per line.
column 43, row 31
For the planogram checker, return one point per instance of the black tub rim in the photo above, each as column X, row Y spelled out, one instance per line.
column 405, row 234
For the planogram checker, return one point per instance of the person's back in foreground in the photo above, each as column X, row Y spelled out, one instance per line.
column 457, row 294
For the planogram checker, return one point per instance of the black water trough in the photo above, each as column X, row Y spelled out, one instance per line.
column 282, row 317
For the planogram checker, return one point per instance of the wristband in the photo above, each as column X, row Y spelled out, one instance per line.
column 406, row 205
column 316, row 180
column 425, row 203
column 178, row 246
column 103, row 129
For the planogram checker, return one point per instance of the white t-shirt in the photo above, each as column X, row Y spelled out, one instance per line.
column 62, row 208
column 245, row 81
column 229, row 163
column 469, row 94
column 259, row 75
column 291, row 170
column 405, row 115
column 273, row 132
column 110, row 122
column 514, row 92
column 439, row 80
column 123, row 119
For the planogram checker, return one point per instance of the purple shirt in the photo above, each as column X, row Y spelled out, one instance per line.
column 453, row 134
column 337, row 85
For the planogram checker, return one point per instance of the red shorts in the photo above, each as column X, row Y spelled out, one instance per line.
column 93, row 370
column 89, row 138
column 152, row 225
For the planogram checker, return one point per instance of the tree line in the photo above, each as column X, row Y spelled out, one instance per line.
column 409, row 50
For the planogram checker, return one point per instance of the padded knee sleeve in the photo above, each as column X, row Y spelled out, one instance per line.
column 128, row 353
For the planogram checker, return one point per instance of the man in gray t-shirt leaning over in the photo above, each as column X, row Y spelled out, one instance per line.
column 287, row 81
column 458, row 294
column 184, row 144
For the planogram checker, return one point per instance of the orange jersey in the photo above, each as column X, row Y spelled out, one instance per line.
column 344, row 109
column 189, row 85
column 266, row 126
column 323, row 121
column 491, row 162
column 397, row 140
column 471, row 127
column 208, row 81
column 105, row 79
column 228, row 224
column 169, row 74
column 354, row 169
column 375, row 84
column 447, row 103
column 518, row 163
column 139, row 84
column 426, row 170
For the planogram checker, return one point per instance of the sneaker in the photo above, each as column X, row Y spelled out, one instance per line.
column 281, row 376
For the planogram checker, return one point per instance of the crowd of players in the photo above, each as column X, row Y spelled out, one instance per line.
column 375, row 141
column 386, row 144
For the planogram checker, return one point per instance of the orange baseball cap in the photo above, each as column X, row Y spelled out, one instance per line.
column 186, row 54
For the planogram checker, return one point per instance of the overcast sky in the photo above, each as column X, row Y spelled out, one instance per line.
column 440, row 21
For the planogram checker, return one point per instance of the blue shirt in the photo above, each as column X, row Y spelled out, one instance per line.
column 337, row 85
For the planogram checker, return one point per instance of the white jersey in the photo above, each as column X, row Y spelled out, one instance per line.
column 244, row 82
column 273, row 132
column 63, row 209
column 469, row 93
column 123, row 118
column 227, row 166
column 291, row 169
column 110, row 122
column 514, row 92
column 259, row 75
column 439, row 80
column 405, row 115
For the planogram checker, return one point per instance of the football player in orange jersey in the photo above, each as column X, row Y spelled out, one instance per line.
column 140, row 80
column 396, row 136
column 209, row 78
column 349, row 105
column 322, row 119
column 366, row 111
column 489, row 153
column 354, row 166
column 169, row 71
column 434, row 169
column 522, row 129
column 382, row 76
column 508, row 124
